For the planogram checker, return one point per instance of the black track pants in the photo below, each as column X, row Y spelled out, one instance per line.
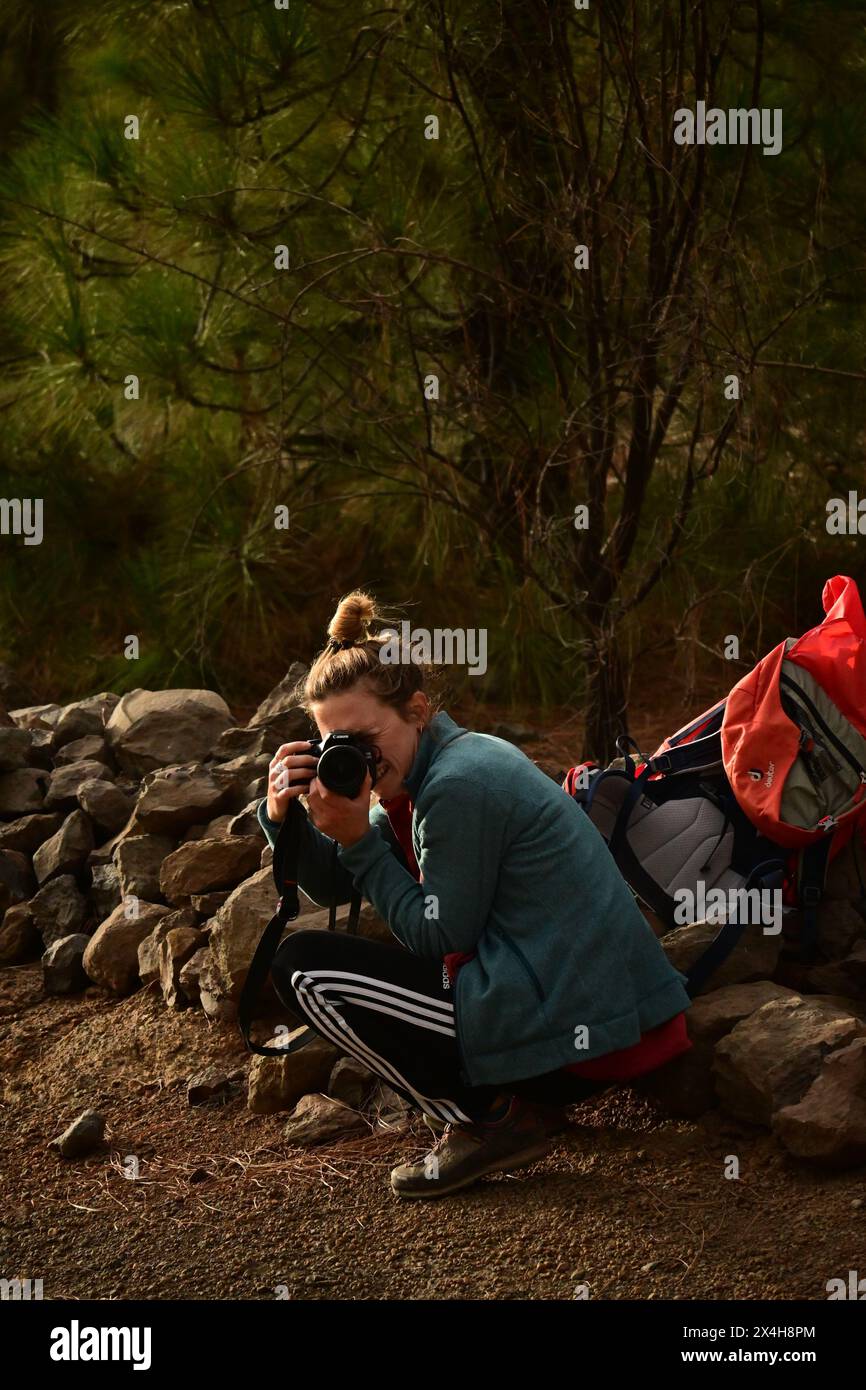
column 393, row 1011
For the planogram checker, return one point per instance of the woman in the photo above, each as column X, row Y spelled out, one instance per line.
column 526, row 976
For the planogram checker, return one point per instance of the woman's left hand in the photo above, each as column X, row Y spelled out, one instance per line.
column 343, row 820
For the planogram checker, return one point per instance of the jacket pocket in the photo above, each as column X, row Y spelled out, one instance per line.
column 523, row 961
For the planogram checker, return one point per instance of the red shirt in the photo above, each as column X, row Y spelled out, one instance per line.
column 656, row 1046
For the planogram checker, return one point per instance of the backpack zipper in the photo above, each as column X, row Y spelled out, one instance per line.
column 524, row 962
column 816, row 714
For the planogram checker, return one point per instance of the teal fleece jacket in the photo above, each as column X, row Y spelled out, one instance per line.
column 566, row 967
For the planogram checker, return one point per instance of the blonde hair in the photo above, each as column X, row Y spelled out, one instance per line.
column 352, row 654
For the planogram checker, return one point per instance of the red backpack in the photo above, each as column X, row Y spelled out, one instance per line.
column 761, row 791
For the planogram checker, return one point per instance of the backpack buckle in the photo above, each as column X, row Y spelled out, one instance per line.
column 828, row 823
column 662, row 763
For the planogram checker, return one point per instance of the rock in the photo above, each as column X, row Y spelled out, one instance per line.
column 216, row 829
column 828, row 1126
column 111, row 958
column 685, row 1086
column 16, row 877
column 14, row 748
column 280, row 712
column 237, row 930
column 149, row 966
column 139, row 860
column 66, row 851
column 62, row 794
column 206, row 866
column 277, row 1083
column 19, row 939
column 84, row 718
column 387, row 1108
column 246, row 743
column 29, row 832
column 92, row 748
column 217, row 1005
column 22, row 792
column 179, row 797
column 175, row 949
column 208, row 904
column 770, row 1059
column 58, row 910
column 188, row 979
column 370, row 924
column 149, row 729
column 754, row 957
column 36, row 716
column 318, row 1119
column 62, row 970
column 846, row 976
column 246, row 822
column 104, row 893
column 207, row 1084
column 107, row 805
column 82, row 1136
column 350, row 1082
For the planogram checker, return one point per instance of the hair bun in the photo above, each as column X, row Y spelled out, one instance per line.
column 352, row 619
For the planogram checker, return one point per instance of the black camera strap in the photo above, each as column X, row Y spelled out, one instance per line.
column 287, row 851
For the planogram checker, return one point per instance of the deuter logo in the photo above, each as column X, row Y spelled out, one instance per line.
column 20, row 1289
column 771, row 772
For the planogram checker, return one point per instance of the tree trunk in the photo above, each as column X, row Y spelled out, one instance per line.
column 606, row 707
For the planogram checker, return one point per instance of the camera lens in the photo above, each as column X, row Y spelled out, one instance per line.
column 342, row 770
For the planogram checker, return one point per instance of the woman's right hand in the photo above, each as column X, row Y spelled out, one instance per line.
column 292, row 767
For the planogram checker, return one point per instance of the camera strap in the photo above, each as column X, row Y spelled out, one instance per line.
column 287, row 850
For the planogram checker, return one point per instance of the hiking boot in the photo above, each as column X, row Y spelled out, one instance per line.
column 464, row 1153
column 553, row 1117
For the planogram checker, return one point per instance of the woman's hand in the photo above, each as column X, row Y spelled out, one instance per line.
column 343, row 820
column 289, row 775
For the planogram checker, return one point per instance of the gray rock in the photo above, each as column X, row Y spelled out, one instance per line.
column 67, row 851
column 139, row 860
column 62, row 794
column 62, row 970
column 189, row 977
column 83, row 718
column 29, row 832
column 176, row 798
column 36, row 716
column 351, row 1083
column 107, row 805
column 149, row 960
column 206, row 1084
column 16, row 877
column 15, row 747
column 105, row 893
column 19, row 939
column 22, row 792
column 91, row 748
column 58, row 910
column 82, row 1137
column 158, row 728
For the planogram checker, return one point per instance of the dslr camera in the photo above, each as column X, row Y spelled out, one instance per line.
column 344, row 761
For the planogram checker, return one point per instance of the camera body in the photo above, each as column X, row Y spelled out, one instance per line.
column 344, row 761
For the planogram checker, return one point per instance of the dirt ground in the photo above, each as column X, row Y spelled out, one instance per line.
column 631, row 1203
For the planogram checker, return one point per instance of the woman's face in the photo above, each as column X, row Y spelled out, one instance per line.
column 362, row 713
